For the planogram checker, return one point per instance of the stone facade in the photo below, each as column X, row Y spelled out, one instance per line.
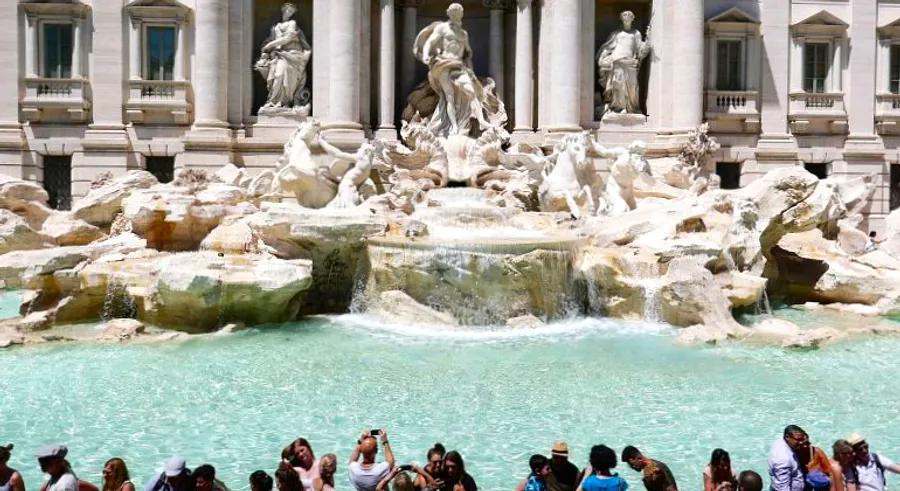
column 800, row 82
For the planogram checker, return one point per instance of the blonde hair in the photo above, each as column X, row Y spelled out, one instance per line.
column 119, row 474
column 403, row 482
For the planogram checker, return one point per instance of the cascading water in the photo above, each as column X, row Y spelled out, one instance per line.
column 648, row 277
column 763, row 307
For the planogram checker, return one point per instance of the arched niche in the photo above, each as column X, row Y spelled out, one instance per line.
column 607, row 21
column 267, row 13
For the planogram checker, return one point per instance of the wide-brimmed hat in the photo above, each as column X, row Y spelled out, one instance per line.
column 175, row 466
column 855, row 439
column 560, row 448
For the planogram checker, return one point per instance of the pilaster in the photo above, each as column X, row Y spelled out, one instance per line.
column 387, row 66
column 565, row 76
column 524, row 88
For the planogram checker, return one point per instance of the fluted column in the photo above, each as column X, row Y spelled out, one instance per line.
column 31, row 44
column 134, row 49
column 495, row 45
column 687, row 60
column 211, row 83
column 408, row 61
column 524, row 99
column 387, row 69
column 343, row 100
column 565, row 75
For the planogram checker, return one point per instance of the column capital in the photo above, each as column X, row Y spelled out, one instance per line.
column 496, row 4
column 410, row 4
column 523, row 4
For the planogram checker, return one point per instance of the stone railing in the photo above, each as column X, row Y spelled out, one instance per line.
column 55, row 100
column 887, row 113
column 163, row 101
column 733, row 110
column 818, row 113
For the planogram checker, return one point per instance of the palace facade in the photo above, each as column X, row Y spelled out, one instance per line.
column 92, row 86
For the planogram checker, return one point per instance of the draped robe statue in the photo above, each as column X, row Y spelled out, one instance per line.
column 283, row 64
column 619, row 62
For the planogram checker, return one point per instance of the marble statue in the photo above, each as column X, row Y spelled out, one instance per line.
column 629, row 165
column 462, row 101
column 619, row 62
column 570, row 183
column 282, row 63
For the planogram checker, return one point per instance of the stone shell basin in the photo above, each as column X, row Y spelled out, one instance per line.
column 480, row 264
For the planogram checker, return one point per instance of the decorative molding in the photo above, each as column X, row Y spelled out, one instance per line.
column 523, row 4
column 496, row 4
column 75, row 9
column 158, row 10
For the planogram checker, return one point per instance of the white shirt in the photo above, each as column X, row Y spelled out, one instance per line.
column 870, row 477
column 66, row 482
column 784, row 469
column 367, row 479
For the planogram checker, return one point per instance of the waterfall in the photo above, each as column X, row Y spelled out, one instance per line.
column 117, row 302
column 647, row 276
column 763, row 307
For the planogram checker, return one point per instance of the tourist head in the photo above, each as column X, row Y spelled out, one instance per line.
column 720, row 466
column 627, row 18
column 204, row 477
column 5, row 453
column 368, row 448
column 52, row 459
column 175, row 471
column 403, row 482
column 435, row 459
column 602, row 458
column 540, row 466
column 860, row 447
column 842, row 452
column 873, row 234
column 455, row 12
column 750, row 481
column 328, row 465
column 288, row 10
column 302, row 452
column 115, row 473
column 795, row 437
column 287, row 479
column 634, row 458
column 260, row 481
column 454, row 467
column 559, row 453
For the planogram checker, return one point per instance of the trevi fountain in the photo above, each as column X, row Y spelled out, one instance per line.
column 452, row 285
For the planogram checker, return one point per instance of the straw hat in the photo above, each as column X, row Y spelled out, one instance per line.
column 855, row 439
column 560, row 448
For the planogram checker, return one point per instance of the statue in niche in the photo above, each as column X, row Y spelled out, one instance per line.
column 454, row 100
column 282, row 63
column 619, row 62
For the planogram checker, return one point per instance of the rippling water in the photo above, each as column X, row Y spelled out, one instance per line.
column 498, row 396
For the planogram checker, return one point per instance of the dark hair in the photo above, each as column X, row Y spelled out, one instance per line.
column 718, row 458
column 288, row 452
column 261, row 481
column 537, row 462
column 457, row 459
column 603, row 457
column 793, row 430
column 872, row 234
column 437, row 449
column 206, row 472
column 288, row 477
column 750, row 481
column 5, row 452
column 629, row 453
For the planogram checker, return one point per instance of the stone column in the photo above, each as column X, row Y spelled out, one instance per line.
column 565, row 77
column 863, row 83
column 14, row 160
column 211, row 71
column 387, row 68
column 134, row 49
column 524, row 90
column 687, row 61
column 408, row 61
column 776, row 80
column 31, row 44
column 77, row 50
column 178, row 71
column 344, row 92
column 495, row 46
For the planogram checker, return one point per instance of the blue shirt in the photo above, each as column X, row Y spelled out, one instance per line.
column 535, row 484
column 784, row 469
column 612, row 483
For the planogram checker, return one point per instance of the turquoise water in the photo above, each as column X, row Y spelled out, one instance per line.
column 497, row 396
column 9, row 303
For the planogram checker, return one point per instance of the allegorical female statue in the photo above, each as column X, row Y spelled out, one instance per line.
column 461, row 97
column 283, row 61
column 619, row 62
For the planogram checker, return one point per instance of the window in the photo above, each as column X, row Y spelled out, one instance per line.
column 729, row 65
column 818, row 170
column 163, row 168
column 730, row 174
column 58, row 181
column 57, row 50
column 895, row 186
column 815, row 67
column 160, row 52
column 895, row 69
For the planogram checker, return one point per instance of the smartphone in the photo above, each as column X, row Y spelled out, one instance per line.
column 374, row 432
column 407, row 467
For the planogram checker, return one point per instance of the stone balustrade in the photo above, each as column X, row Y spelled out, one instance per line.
column 159, row 101
column 52, row 100
column 818, row 113
column 733, row 110
column 887, row 114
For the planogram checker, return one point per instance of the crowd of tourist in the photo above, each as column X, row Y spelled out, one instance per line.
column 794, row 465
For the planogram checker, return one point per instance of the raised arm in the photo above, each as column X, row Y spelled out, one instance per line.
column 388, row 453
column 335, row 151
column 354, row 455
column 383, row 484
